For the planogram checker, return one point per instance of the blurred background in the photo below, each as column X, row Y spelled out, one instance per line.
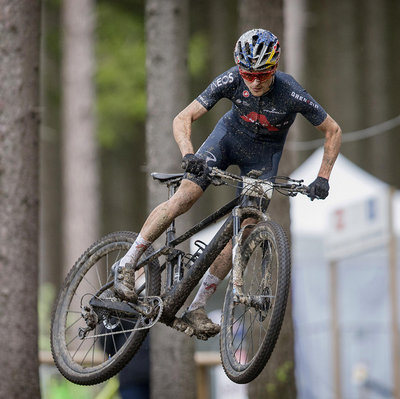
column 114, row 73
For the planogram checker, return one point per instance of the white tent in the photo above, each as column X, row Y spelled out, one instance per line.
column 364, row 306
column 364, row 353
column 348, row 183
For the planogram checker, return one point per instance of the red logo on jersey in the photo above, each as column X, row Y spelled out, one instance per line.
column 246, row 93
column 262, row 119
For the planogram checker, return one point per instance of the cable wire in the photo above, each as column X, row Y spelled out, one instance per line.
column 346, row 137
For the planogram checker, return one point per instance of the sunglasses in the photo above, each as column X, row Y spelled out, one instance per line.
column 261, row 76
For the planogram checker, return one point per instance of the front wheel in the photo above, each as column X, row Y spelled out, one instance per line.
column 90, row 355
column 249, row 331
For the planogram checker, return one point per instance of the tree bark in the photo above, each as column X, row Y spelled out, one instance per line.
column 50, row 258
column 277, row 379
column 19, row 135
column 172, row 362
column 79, row 150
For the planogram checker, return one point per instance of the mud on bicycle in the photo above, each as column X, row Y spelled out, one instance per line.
column 88, row 316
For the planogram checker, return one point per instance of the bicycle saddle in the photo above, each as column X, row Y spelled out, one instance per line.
column 166, row 177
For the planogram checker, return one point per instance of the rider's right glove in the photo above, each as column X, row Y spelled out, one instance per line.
column 193, row 164
column 319, row 188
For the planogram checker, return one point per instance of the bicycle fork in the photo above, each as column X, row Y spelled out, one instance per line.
column 238, row 267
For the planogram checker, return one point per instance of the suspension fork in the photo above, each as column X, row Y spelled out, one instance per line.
column 237, row 264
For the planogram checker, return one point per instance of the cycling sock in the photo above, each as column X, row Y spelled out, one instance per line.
column 207, row 288
column 135, row 251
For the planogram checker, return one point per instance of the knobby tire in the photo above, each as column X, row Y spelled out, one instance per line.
column 249, row 334
column 106, row 251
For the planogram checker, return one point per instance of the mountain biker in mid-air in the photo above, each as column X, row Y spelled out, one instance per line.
column 251, row 135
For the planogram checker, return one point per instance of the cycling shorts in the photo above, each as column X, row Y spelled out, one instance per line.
column 229, row 145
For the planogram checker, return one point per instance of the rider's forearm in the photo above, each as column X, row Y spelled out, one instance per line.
column 182, row 128
column 333, row 137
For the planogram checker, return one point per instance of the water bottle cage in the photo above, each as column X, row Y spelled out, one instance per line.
column 189, row 259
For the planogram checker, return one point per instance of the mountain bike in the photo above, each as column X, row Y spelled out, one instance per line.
column 88, row 318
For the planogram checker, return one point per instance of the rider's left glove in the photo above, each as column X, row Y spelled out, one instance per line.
column 193, row 164
column 319, row 188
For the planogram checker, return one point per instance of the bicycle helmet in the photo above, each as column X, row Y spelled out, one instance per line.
column 257, row 50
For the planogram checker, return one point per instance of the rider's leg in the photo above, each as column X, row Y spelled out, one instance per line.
column 158, row 221
column 196, row 315
column 161, row 217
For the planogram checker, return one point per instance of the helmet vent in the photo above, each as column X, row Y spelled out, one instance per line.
column 247, row 48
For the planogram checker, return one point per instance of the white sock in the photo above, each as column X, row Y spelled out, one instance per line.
column 207, row 288
column 135, row 251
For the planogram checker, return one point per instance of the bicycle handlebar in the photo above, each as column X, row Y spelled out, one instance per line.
column 292, row 188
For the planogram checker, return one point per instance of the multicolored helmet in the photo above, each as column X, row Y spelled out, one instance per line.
column 257, row 50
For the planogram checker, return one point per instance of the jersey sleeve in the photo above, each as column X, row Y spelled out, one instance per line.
column 305, row 104
column 309, row 108
column 223, row 86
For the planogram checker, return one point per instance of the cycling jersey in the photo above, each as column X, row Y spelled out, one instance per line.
column 252, row 134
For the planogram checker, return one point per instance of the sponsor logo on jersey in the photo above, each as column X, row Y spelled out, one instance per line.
column 303, row 99
column 211, row 157
column 223, row 80
column 274, row 111
column 246, row 93
column 253, row 117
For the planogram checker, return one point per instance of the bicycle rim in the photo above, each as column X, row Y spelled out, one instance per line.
column 249, row 332
column 110, row 345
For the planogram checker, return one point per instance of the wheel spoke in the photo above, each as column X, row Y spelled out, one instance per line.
column 266, row 257
column 76, row 321
column 110, row 327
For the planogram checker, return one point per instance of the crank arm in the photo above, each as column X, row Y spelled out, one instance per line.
column 120, row 307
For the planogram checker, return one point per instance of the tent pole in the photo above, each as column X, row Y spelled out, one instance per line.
column 335, row 330
column 393, row 297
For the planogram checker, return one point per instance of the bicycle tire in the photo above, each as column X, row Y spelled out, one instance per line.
column 266, row 264
column 100, row 362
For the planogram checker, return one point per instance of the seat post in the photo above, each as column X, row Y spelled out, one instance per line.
column 170, row 233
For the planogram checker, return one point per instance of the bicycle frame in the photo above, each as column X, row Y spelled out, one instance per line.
column 180, row 290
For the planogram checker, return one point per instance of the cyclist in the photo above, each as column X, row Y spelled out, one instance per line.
column 251, row 135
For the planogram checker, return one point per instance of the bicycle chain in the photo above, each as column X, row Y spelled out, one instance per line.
column 160, row 304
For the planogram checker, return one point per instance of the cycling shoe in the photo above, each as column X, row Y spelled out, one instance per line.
column 203, row 327
column 124, row 282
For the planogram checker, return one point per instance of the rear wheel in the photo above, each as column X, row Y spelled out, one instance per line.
column 88, row 356
column 249, row 331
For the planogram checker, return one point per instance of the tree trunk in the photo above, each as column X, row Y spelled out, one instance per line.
column 80, row 169
column 172, row 364
column 19, row 135
column 50, row 259
column 277, row 379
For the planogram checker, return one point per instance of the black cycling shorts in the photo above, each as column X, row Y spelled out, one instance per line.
column 229, row 145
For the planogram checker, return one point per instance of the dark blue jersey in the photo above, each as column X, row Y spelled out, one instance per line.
column 268, row 116
column 252, row 134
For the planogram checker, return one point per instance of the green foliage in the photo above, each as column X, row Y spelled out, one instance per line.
column 282, row 377
column 282, row 372
column 121, row 73
column 45, row 304
column 56, row 387
column 198, row 55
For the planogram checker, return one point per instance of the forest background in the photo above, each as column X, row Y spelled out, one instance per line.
column 346, row 57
